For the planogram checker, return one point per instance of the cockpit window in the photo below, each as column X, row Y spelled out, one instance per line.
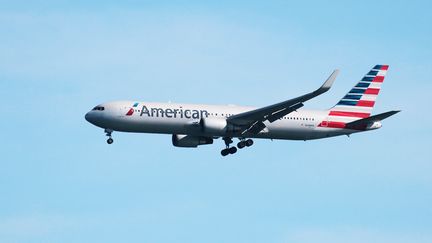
column 99, row 108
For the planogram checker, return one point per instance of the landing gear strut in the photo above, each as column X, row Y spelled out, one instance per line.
column 108, row 132
column 228, row 150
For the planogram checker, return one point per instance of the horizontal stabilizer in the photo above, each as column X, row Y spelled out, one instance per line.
column 366, row 121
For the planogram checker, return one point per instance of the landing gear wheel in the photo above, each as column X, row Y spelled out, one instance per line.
column 228, row 150
column 225, row 152
column 232, row 150
column 241, row 144
column 108, row 132
column 249, row 142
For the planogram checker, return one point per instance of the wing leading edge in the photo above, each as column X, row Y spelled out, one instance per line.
column 253, row 120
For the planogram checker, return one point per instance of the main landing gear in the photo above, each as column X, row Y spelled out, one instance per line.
column 232, row 150
column 245, row 143
column 228, row 150
column 108, row 132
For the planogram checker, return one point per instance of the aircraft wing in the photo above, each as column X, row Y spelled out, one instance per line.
column 254, row 119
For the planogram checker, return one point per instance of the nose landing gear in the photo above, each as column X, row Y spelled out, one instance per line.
column 108, row 132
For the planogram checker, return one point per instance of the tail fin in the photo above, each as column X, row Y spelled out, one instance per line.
column 360, row 100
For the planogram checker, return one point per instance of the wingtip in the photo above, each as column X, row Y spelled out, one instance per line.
column 329, row 82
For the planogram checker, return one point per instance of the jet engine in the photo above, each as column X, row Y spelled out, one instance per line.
column 187, row 141
column 218, row 127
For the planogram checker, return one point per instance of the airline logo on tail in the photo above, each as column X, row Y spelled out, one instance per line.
column 359, row 101
column 132, row 109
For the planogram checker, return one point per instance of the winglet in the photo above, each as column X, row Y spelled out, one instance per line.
column 329, row 82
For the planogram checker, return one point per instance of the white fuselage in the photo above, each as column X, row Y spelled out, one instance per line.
column 171, row 118
column 195, row 125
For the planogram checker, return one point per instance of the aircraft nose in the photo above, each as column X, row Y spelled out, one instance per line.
column 89, row 117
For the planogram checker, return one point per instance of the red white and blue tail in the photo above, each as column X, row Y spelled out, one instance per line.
column 360, row 100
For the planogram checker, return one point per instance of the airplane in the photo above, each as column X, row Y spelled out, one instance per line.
column 192, row 125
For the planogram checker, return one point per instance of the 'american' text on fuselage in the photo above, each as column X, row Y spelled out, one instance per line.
column 174, row 113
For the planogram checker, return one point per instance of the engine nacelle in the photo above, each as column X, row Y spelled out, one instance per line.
column 187, row 141
column 218, row 127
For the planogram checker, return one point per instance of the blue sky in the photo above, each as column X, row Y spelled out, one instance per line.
column 61, row 182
